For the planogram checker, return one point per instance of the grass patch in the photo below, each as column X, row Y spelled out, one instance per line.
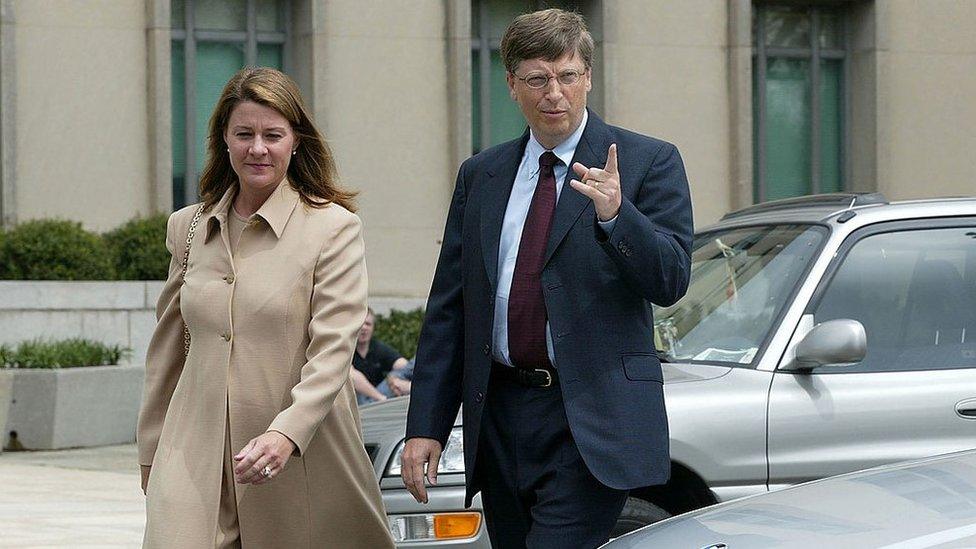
column 68, row 353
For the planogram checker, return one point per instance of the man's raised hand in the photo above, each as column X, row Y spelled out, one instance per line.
column 602, row 186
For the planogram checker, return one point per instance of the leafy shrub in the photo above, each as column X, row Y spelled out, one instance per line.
column 139, row 249
column 49, row 249
column 400, row 330
column 68, row 353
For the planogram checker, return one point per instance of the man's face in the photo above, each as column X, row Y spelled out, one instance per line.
column 366, row 330
column 555, row 110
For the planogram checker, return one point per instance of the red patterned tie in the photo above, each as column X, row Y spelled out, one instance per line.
column 526, row 306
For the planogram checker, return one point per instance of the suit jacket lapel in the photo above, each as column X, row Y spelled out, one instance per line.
column 571, row 202
column 501, row 178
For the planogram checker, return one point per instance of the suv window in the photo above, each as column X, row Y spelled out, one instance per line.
column 915, row 293
column 740, row 280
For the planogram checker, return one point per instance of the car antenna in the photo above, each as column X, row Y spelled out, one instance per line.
column 849, row 213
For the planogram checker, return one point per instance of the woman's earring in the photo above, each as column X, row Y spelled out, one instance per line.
column 294, row 152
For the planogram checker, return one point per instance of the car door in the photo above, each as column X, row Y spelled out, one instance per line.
column 912, row 285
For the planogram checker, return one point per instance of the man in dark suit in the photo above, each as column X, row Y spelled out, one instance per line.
column 539, row 318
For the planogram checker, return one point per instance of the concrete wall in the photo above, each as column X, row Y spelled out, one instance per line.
column 666, row 75
column 72, row 407
column 926, row 71
column 114, row 313
column 80, row 128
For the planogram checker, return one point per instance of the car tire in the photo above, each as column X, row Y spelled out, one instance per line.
column 637, row 513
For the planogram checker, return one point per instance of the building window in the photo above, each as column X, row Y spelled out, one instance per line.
column 212, row 40
column 799, row 96
column 495, row 118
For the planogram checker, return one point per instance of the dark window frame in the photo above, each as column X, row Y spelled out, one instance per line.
column 761, row 53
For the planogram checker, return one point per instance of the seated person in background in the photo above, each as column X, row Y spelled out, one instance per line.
column 373, row 363
column 397, row 382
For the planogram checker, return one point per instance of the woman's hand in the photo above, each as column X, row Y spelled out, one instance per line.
column 262, row 458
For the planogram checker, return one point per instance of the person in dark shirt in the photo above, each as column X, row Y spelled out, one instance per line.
column 377, row 364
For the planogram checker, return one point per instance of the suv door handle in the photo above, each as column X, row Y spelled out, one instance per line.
column 966, row 409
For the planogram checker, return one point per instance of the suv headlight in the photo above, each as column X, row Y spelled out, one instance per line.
column 452, row 458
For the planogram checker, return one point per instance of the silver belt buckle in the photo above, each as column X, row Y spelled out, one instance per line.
column 548, row 376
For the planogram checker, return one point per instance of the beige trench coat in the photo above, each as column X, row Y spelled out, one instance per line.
column 273, row 331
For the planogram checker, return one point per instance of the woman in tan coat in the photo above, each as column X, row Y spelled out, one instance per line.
column 249, row 433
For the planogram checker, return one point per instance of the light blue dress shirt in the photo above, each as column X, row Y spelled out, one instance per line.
column 515, row 213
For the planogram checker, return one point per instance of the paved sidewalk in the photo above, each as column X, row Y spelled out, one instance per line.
column 71, row 498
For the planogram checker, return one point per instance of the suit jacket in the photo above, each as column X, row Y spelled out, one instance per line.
column 598, row 292
column 273, row 331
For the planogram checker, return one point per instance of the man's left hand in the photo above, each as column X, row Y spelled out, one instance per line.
column 602, row 186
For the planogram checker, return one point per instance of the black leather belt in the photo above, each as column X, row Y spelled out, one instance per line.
column 536, row 377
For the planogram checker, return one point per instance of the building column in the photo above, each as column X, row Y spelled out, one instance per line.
column 159, row 106
column 8, row 115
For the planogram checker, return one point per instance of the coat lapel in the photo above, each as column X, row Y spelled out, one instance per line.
column 571, row 202
column 494, row 201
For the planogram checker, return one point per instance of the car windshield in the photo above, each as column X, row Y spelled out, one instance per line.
column 740, row 280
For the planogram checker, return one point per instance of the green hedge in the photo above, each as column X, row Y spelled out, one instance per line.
column 400, row 330
column 68, row 353
column 52, row 249
column 139, row 249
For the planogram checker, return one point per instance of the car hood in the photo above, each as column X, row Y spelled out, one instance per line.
column 679, row 372
column 383, row 420
column 918, row 504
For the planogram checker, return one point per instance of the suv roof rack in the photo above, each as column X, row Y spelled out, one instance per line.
column 838, row 200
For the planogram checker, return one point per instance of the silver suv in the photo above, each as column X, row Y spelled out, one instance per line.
column 819, row 335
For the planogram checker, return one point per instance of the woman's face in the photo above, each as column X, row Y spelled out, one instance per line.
column 260, row 142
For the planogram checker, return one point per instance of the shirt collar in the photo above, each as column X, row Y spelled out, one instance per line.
column 564, row 151
column 276, row 210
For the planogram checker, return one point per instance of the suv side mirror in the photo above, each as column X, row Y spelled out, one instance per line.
column 833, row 343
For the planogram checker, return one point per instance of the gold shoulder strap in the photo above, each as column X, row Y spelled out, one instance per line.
column 186, row 258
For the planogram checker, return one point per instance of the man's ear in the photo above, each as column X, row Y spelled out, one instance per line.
column 511, row 85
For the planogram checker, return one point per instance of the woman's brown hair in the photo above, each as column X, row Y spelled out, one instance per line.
column 312, row 171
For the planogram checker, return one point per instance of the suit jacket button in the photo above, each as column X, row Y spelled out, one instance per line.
column 479, row 397
column 486, row 350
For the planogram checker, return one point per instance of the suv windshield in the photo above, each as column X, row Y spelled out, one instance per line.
column 740, row 280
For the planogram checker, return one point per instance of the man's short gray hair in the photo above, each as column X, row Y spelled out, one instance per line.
column 546, row 34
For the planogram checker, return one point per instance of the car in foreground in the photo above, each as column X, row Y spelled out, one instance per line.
column 819, row 335
column 919, row 504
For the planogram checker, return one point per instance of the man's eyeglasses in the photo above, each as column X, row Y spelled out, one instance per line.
column 538, row 80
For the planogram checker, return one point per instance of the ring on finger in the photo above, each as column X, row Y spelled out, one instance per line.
column 266, row 471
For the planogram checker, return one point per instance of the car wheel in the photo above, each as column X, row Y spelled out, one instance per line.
column 636, row 514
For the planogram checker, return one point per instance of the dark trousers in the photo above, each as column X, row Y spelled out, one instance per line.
column 536, row 489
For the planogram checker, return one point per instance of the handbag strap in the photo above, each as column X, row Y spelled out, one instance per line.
column 186, row 258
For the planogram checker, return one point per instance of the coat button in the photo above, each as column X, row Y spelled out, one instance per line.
column 479, row 397
column 229, row 279
column 486, row 350
column 226, row 336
